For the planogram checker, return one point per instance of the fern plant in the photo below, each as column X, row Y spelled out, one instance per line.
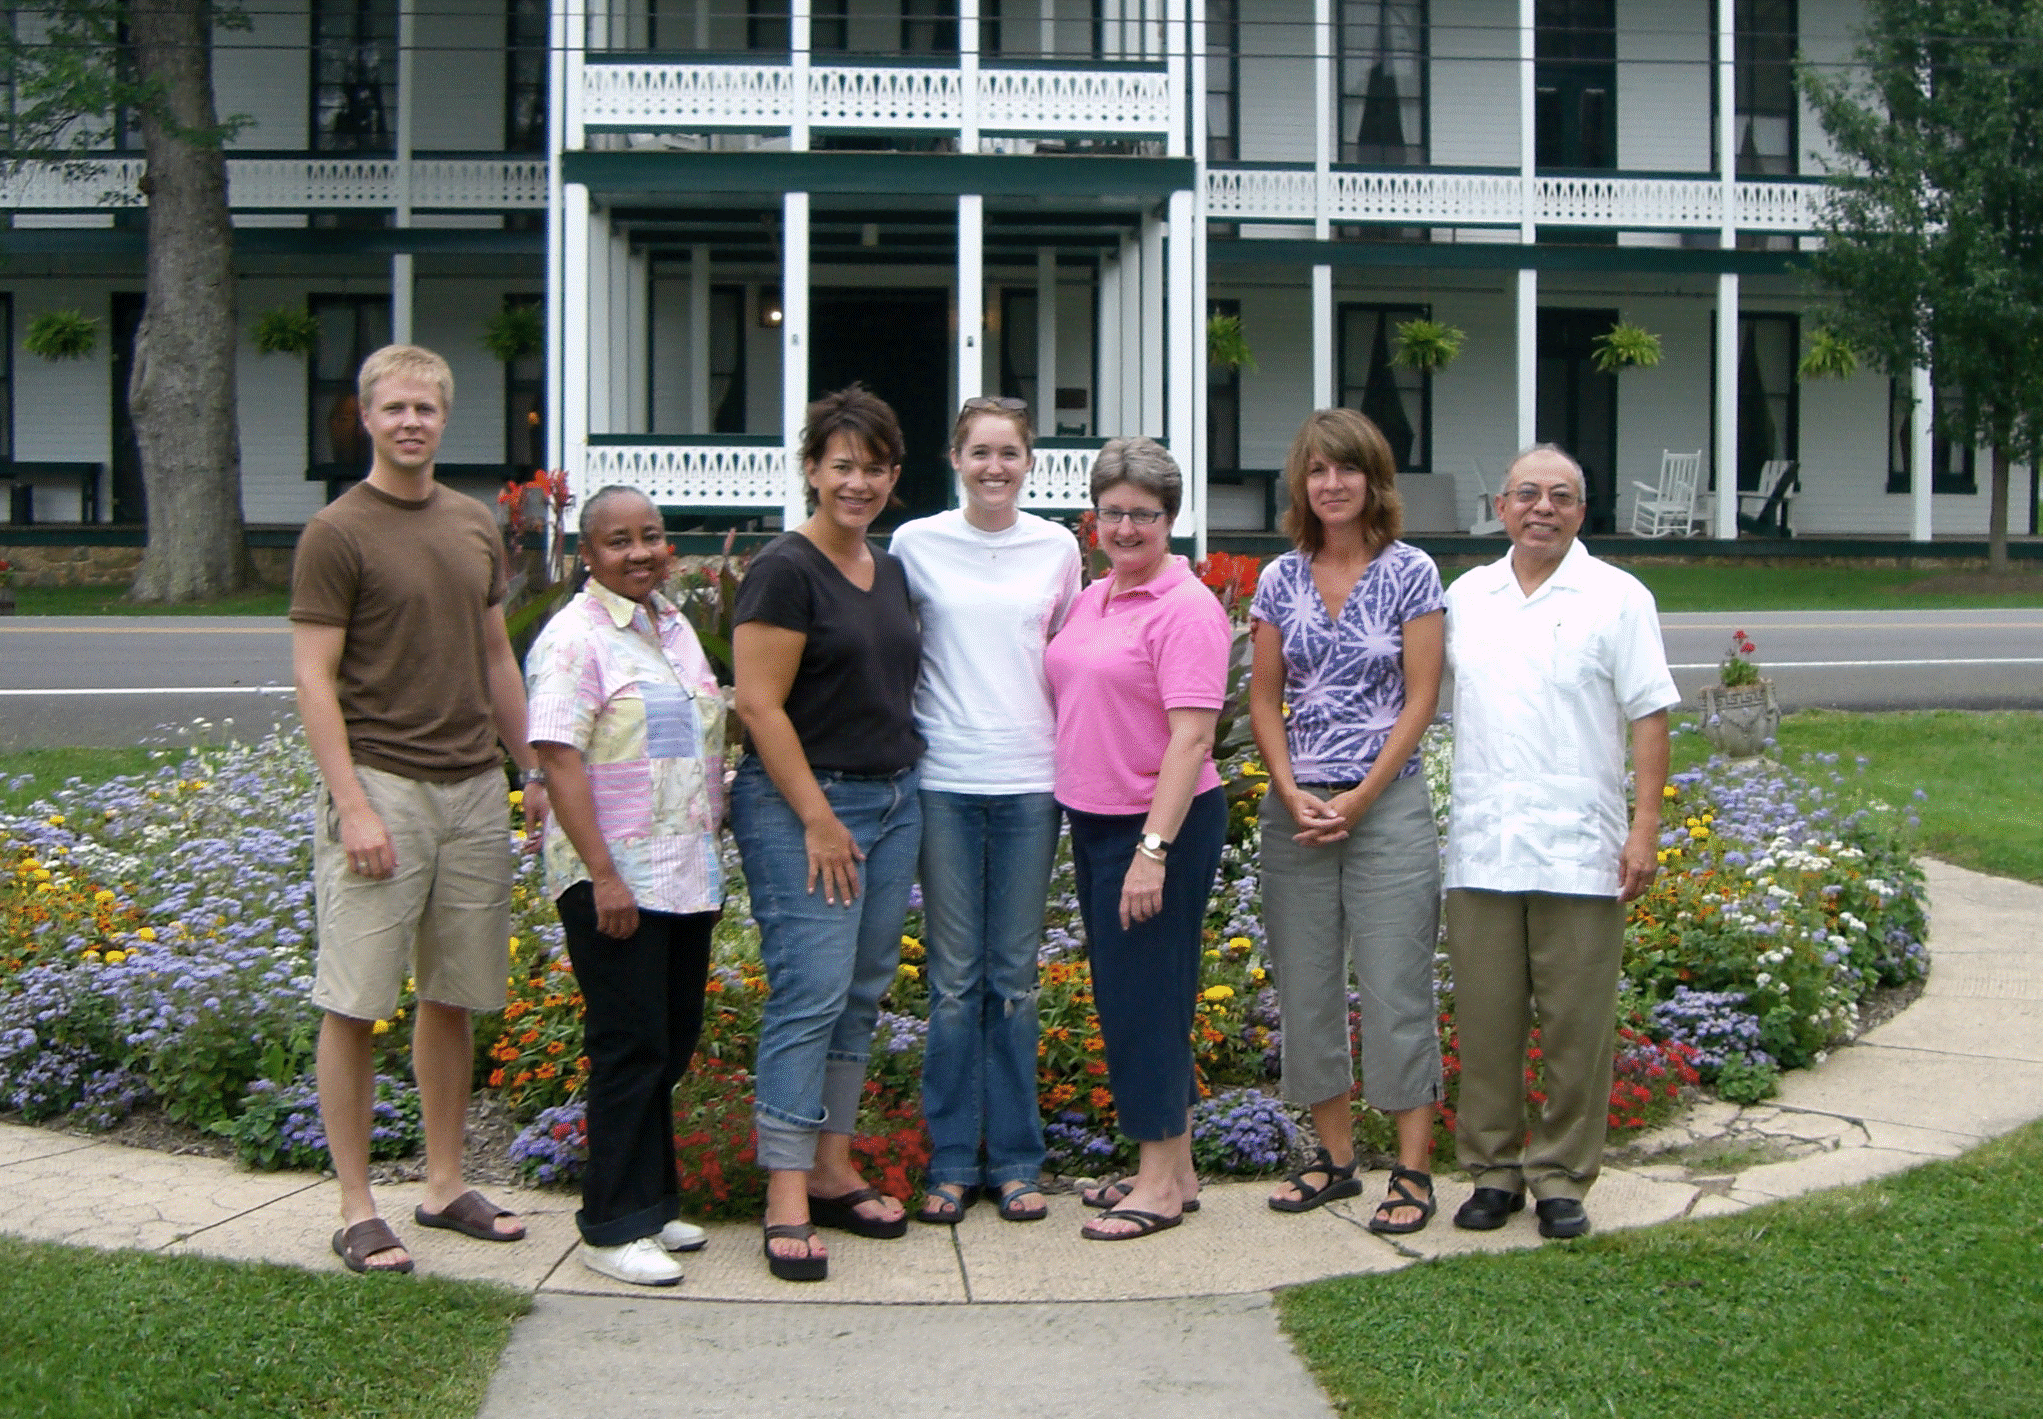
column 286, row 330
column 62, row 335
column 1226, row 347
column 1426, row 345
column 1829, row 356
column 1626, row 346
column 514, row 333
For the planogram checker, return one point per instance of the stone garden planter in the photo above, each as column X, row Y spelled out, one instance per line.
column 1739, row 721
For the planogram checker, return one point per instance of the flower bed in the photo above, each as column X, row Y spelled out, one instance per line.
column 156, row 935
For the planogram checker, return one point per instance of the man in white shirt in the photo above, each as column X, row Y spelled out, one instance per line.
column 1554, row 654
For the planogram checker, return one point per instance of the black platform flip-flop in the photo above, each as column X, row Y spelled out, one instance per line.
column 794, row 1268
column 1147, row 1224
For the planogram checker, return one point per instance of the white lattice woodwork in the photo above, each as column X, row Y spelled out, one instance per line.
column 487, row 184
column 1127, row 101
column 1061, row 479
column 847, row 96
column 687, row 96
column 690, row 475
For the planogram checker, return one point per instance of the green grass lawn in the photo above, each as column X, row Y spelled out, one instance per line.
column 110, row 1335
column 112, row 601
column 1982, row 774
column 1733, row 586
column 1919, row 1295
column 48, row 769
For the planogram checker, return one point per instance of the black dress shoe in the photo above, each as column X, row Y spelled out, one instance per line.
column 1488, row 1208
column 1561, row 1217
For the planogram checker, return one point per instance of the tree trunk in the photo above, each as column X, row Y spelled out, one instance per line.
column 182, row 392
column 1997, row 513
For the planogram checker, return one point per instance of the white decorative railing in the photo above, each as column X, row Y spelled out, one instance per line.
column 1421, row 198
column 687, row 96
column 1062, row 477
column 1123, row 101
column 691, row 475
column 490, row 184
column 637, row 97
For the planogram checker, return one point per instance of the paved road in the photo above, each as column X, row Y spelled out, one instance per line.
column 119, row 680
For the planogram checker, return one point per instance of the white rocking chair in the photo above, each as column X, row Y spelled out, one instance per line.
column 1764, row 510
column 1487, row 523
column 1670, row 509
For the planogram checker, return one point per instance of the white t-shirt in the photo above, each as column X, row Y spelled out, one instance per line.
column 989, row 602
column 1544, row 688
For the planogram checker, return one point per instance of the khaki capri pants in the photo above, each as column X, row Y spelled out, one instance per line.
column 1370, row 901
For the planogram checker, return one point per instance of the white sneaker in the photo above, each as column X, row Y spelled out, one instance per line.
column 683, row 1236
column 640, row 1263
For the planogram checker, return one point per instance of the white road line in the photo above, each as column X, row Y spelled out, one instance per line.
column 165, row 690
column 1862, row 664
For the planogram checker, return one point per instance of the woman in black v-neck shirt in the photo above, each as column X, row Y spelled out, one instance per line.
column 828, row 820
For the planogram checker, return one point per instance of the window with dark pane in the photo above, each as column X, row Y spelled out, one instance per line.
column 6, row 377
column 1398, row 401
column 1765, row 104
column 1575, row 84
column 929, row 26
column 727, row 359
column 527, row 44
column 1769, row 408
column 350, row 328
column 354, row 75
column 1952, row 466
column 1383, row 82
column 1018, row 345
column 525, row 398
column 1223, row 80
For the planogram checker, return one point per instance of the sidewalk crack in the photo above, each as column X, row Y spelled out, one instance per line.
column 964, row 1271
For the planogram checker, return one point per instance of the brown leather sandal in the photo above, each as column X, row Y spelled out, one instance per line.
column 472, row 1215
column 355, row 1245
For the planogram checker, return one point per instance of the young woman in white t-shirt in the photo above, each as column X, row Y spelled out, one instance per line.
column 991, row 584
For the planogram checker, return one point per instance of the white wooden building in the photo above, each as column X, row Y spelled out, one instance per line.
column 729, row 206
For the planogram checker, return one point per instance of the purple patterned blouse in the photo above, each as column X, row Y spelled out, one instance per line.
column 1344, row 680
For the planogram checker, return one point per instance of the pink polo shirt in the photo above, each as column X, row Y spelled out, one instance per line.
column 1116, row 668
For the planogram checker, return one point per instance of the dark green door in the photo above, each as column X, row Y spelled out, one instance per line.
column 1577, row 406
column 897, row 342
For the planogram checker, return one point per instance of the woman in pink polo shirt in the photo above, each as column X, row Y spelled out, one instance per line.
column 1139, row 673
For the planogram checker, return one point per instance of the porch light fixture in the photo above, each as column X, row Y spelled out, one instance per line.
column 770, row 314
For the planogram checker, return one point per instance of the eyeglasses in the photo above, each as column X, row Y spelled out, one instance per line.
column 1140, row 516
column 985, row 401
column 1528, row 495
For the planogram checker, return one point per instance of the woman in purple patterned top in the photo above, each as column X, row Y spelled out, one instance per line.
column 1348, row 650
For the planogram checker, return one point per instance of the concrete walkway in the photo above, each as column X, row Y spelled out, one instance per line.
column 1194, row 1327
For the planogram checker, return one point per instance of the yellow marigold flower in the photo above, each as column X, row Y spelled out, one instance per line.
column 1240, row 943
column 1698, row 831
column 1254, row 770
column 1219, row 992
column 909, row 971
column 41, row 874
column 1692, row 822
column 1257, row 975
column 909, row 941
column 1212, row 955
column 55, row 820
column 1670, row 791
column 517, row 797
column 114, row 958
column 1219, row 1010
column 147, row 933
column 381, row 1027
column 1709, row 817
column 92, row 955
column 1663, row 854
column 104, row 894
column 514, row 943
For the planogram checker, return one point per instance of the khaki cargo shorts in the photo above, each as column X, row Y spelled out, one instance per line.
column 443, row 917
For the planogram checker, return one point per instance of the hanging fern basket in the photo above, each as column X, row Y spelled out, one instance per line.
column 286, row 330
column 1626, row 346
column 1226, row 347
column 516, row 332
column 1426, row 345
column 1829, row 356
column 62, row 335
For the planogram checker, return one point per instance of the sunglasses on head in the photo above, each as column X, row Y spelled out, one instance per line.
column 986, row 401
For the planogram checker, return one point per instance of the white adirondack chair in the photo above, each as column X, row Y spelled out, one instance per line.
column 1486, row 523
column 1670, row 509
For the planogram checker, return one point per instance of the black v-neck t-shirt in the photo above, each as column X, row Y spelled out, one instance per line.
column 853, row 698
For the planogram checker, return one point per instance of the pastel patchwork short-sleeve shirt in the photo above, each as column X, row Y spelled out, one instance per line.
column 632, row 690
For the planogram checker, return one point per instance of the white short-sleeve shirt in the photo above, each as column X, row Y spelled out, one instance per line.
column 1545, row 687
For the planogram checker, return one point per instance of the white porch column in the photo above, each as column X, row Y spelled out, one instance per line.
column 622, row 365
column 1046, row 340
column 638, row 340
column 1106, row 399
column 569, row 438
column 1921, row 448
column 1725, row 521
column 1323, row 394
column 563, row 219
column 401, row 283
column 1132, row 344
column 971, row 352
column 1046, row 36
column 798, row 12
column 1323, row 120
column 1166, row 31
column 597, row 316
column 794, row 341
column 1151, row 328
column 1185, row 364
column 968, row 74
column 1528, row 359
column 701, row 416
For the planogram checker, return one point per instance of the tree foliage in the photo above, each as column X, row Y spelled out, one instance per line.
column 1934, row 235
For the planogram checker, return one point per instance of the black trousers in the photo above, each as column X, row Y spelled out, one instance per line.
column 1145, row 980
column 641, row 1015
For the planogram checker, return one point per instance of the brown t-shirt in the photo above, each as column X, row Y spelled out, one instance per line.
column 412, row 583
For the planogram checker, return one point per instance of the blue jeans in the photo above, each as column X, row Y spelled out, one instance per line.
column 985, row 881
column 826, row 966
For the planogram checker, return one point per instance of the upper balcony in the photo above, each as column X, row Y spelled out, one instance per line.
column 1462, row 198
column 622, row 92
column 296, row 183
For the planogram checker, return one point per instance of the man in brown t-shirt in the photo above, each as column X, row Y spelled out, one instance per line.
column 406, row 684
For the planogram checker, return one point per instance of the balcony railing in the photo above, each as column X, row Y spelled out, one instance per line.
column 294, row 184
column 733, row 471
column 1434, row 198
column 1118, row 101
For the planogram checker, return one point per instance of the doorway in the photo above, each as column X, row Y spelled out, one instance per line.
column 897, row 342
column 1575, row 84
column 1577, row 404
column 130, row 504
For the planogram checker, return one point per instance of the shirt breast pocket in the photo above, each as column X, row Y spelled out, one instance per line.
column 673, row 730
column 1580, row 656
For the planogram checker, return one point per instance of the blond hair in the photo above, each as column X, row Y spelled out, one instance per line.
column 404, row 361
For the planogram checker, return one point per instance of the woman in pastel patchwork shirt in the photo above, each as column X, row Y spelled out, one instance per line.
column 1139, row 673
column 628, row 724
column 1348, row 635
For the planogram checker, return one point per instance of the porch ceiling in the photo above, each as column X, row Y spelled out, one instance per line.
column 1100, row 184
column 922, row 233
